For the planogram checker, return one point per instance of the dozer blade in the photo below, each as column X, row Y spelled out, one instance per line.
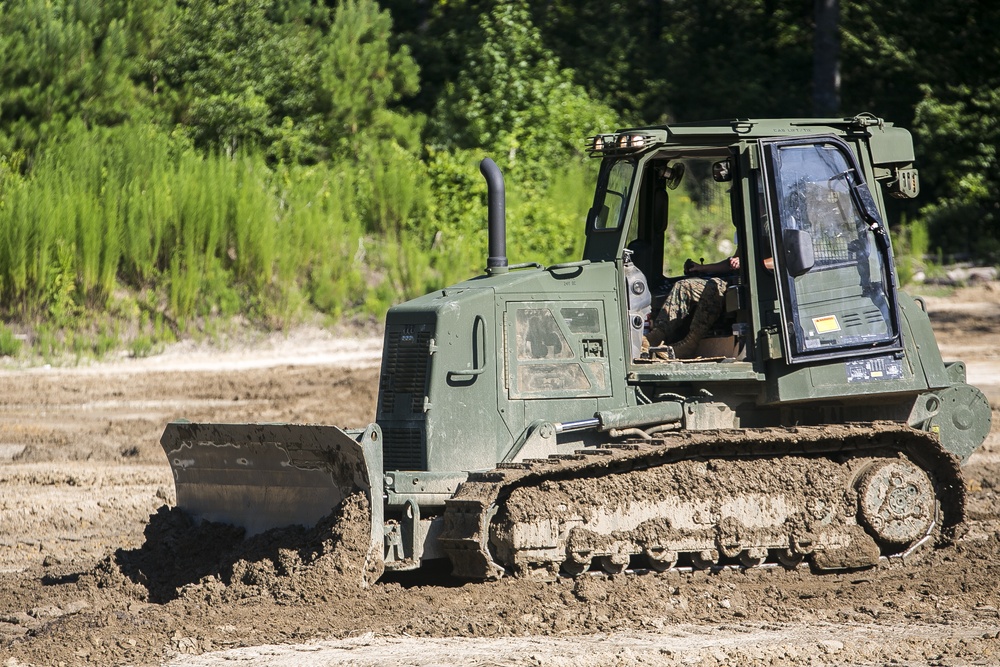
column 262, row 476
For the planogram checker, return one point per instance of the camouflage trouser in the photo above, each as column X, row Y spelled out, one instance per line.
column 685, row 297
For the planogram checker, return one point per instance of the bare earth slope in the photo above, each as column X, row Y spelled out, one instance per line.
column 81, row 472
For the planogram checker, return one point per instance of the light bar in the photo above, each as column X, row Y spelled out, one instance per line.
column 626, row 142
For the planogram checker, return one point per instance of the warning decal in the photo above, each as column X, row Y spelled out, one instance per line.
column 826, row 324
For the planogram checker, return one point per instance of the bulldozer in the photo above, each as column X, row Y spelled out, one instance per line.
column 522, row 429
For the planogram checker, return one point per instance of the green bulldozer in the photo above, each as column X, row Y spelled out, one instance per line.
column 523, row 428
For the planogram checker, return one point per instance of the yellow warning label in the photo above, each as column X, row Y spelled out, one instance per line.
column 827, row 324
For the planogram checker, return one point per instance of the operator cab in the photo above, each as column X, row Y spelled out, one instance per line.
column 670, row 206
column 815, row 279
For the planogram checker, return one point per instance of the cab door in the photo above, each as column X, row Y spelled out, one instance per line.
column 833, row 259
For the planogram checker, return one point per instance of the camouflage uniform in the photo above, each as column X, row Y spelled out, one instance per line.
column 686, row 297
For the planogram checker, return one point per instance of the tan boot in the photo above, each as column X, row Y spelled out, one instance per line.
column 709, row 308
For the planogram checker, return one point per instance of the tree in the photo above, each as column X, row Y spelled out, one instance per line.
column 826, row 59
column 296, row 79
column 360, row 77
column 64, row 60
column 936, row 71
column 960, row 137
column 513, row 99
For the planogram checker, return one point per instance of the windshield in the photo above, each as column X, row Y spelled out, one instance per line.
column 613, row 194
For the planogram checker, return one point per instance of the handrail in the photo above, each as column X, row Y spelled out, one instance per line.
column 478, row 343
column 568, row 265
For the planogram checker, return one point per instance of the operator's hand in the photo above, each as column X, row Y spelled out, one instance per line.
column 690, row 267
column 734, row 263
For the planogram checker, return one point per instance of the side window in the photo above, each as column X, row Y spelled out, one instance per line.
column 833, row 255
column 613, row 195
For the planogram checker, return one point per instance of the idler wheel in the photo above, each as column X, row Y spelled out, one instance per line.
column 896, row 502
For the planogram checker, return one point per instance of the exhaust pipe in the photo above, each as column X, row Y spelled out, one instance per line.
column 496, row 262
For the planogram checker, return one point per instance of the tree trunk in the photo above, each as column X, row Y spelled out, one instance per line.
column 826, row 59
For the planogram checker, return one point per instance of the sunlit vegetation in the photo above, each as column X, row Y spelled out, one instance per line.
column 169, row 168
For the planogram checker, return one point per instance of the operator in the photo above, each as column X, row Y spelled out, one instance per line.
column 697, row 300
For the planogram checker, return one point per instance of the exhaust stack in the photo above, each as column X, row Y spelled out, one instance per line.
column 496, row 262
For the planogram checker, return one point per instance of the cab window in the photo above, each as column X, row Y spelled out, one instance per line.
column 613, row 195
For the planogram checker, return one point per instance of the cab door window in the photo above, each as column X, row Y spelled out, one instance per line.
column 833, row 255
column 613, row 195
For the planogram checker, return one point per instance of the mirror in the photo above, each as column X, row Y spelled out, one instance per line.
column 799, row 255
column 597, row 217
column 722, row 172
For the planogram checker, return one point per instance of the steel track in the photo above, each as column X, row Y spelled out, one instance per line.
column 469, row 516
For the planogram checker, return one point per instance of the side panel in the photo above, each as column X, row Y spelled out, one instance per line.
column 871, row 378
column 467, row 369
column 565, row 352
column 437, row 393
column 920, row 338
column 463, row 424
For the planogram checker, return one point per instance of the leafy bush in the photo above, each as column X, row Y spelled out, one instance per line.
column 958, row 129
column 514, row 99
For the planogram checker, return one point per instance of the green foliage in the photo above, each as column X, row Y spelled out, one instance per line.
column 548, row 227
column 513, row 99
column 300, row 80
column 10, row 345
column 937, row 70
column 131, row 206
column 225, row 69
column 360, row 76
column 911, row 245
column 60, row 284
column 209, row 158
column 959, row 126
column 457, row 208
column 695, row 231
column 141, row 346
column 67, row 60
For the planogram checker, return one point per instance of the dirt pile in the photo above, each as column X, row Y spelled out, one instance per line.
column 213, row 563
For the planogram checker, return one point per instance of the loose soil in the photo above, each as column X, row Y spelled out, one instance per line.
column 84, row 483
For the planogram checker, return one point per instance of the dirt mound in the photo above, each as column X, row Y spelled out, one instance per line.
column 213, row 562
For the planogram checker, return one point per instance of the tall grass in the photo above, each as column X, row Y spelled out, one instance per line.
column 183, row 237
column 911, row 247
column 131, row 206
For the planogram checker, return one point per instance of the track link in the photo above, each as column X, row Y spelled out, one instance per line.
column 840, row 497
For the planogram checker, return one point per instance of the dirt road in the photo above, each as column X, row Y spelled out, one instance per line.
column 81, row 471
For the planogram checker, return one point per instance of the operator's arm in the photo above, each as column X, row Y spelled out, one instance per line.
column 727, row 265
